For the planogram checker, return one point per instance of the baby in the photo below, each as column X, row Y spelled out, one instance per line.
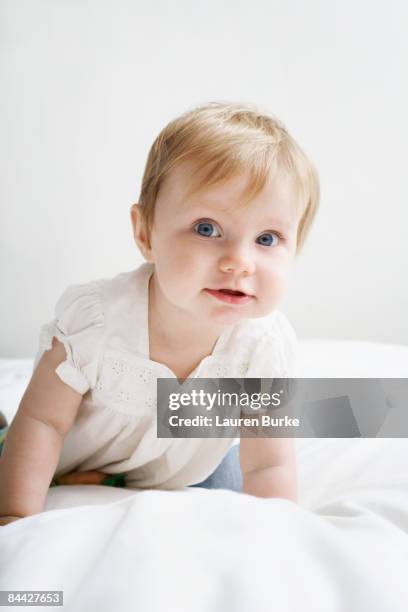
column 226, row 202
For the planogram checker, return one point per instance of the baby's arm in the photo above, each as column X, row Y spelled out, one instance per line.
column 268, row 467
column 34, row 440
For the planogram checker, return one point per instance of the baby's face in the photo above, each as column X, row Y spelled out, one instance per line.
column 209, row 242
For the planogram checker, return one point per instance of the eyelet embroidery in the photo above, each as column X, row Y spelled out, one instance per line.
column 151, row 402
column 141, row 374
column 126, row 397
column 222, row 372
column 120, row 366
column 146, row 374
column 239, row 371
column 243, row 369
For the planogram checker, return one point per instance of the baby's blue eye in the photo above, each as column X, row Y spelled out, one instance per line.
column 205, row 229
column 266, row 239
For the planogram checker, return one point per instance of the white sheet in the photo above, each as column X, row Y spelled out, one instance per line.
column 344, row 547
column 218, row 550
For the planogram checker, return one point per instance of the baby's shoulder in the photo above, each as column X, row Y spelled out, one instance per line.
column 117, row 295
column 115, row 302
column 118, row 292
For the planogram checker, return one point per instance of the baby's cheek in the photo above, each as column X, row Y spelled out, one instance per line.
column 191, row 261
column 178, row 273
column 171, row 257
column 183, row 267
column 275, row 286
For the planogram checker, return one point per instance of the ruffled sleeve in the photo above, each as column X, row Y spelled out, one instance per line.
column 79, row 324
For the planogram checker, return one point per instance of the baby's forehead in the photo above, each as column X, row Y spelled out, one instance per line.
column 278, row 199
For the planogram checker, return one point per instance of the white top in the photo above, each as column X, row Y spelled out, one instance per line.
column 103, row 325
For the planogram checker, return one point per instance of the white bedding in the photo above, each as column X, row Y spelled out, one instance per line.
column 343, row 547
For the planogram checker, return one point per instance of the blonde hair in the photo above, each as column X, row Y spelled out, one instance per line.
column 226, row 140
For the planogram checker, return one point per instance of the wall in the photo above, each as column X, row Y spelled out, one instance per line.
column 88, row 85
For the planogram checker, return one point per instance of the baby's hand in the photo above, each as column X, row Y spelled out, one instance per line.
column 92, row 478
column 5, row 520
column 74, row 478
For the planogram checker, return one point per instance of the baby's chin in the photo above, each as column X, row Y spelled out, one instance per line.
column 232, row 315
column 229, row 315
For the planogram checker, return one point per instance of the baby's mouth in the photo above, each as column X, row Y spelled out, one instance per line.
column 231, row 292
column 230, row 296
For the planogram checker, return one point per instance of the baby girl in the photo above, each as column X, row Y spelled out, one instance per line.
column 226, row 202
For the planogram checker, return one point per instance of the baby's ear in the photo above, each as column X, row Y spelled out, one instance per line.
column 140, row 231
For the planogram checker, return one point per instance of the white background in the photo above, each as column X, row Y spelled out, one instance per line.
column 87, row 85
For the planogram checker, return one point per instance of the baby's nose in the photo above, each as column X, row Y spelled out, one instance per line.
column 236, row 265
